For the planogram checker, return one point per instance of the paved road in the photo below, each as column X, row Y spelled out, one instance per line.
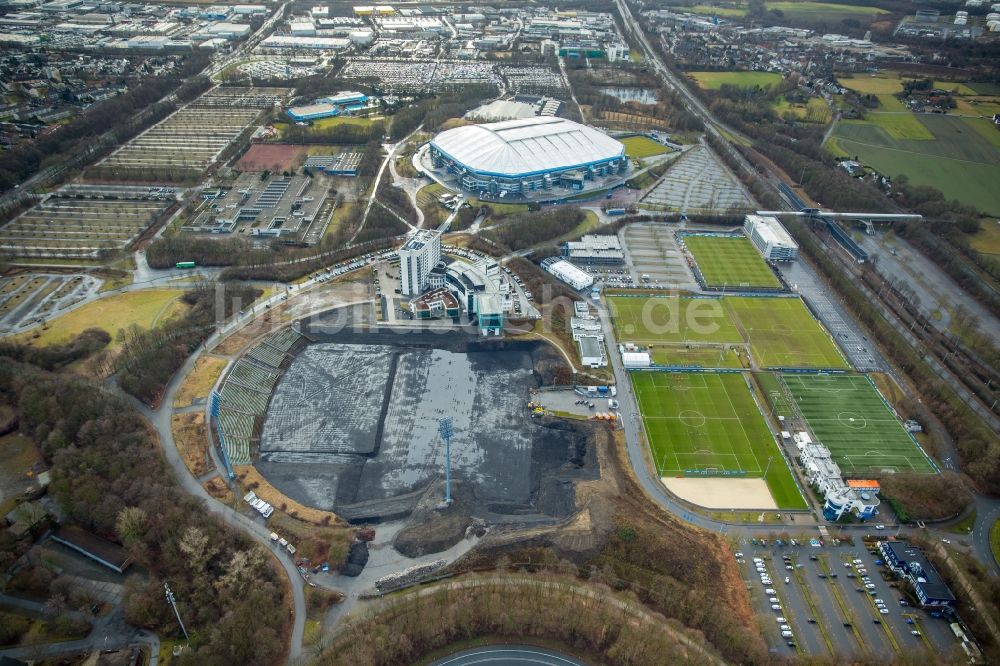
column 108, row 632
column 160, row 419
column 508, row 655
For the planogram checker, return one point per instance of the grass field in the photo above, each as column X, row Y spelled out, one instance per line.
column 771, row 387
column 710, row 421
column 727, row 12
column 696, row 356
column 995, row 540
column 732, row 261
column 639, row 147
column 715, row 80
column 962, row 160
column 815, row 110
column 827, row 9
column 987, row 239
column 890, row 83
column 781, row 331
column 899, row 126
column 784, row 334
column 804, row 10
column 846, row 413
column 672, row 319
column 143, row 308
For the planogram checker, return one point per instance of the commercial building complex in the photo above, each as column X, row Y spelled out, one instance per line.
column 327, row 107
column 520, row 157
column 418, row 256
column 839, row 496
column 770, row 238
column 604, row 250
column 909, row 562
column 479, row 287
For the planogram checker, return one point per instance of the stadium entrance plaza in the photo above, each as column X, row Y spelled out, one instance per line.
column 353, row 427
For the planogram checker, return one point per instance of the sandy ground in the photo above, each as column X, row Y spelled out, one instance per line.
column 717, row 493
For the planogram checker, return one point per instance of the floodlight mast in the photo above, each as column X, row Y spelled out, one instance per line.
column 447, row 431
column 173, row 604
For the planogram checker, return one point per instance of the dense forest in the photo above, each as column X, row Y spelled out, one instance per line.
column 108, row 476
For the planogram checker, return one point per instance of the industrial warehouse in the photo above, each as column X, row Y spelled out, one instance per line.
column 530, row 158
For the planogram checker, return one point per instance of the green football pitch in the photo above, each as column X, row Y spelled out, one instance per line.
column 730, row 261
column 710, row 422
column 781, row 331
column 784, row 334
column 849, row 417
column 652, row 319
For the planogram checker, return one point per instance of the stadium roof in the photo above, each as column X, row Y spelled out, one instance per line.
column 526, row 146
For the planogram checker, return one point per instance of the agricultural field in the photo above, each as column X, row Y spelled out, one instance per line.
column 781, row 332
column 145, row 308
column 67, row 226
column 711, row 422
column 638, row 147
column 847, row 414
column 730, row 261
column 959, row 156
column 784, row 334
column 654, row 319
column 715, row 80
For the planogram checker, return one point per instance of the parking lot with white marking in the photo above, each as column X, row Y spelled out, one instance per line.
column 698, row 181
column 835, row 600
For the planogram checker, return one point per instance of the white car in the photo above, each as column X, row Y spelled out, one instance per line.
column 870, row 586
column 785, row 627
column 739, row 556
column 776, row 607
column 787, row 579
column 884, row 611
column 780, row 620
column 879, row 602
column 858, row 562
column 880, row 526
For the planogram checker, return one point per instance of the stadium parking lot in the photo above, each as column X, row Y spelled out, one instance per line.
column 652, row 250
column 821, row 589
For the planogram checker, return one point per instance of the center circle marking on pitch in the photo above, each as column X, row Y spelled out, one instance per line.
column 691, row 418
column 852, row 420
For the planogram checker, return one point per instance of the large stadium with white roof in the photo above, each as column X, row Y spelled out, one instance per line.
column 530, row 158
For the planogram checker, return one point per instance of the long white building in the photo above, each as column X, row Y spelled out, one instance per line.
column 419, row 255
column 568, row 273
column 770, row 238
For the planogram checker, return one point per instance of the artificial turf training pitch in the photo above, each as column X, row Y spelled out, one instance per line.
column 710, row 422
column 849, row 417
column 730, row 261
column 781, row 331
